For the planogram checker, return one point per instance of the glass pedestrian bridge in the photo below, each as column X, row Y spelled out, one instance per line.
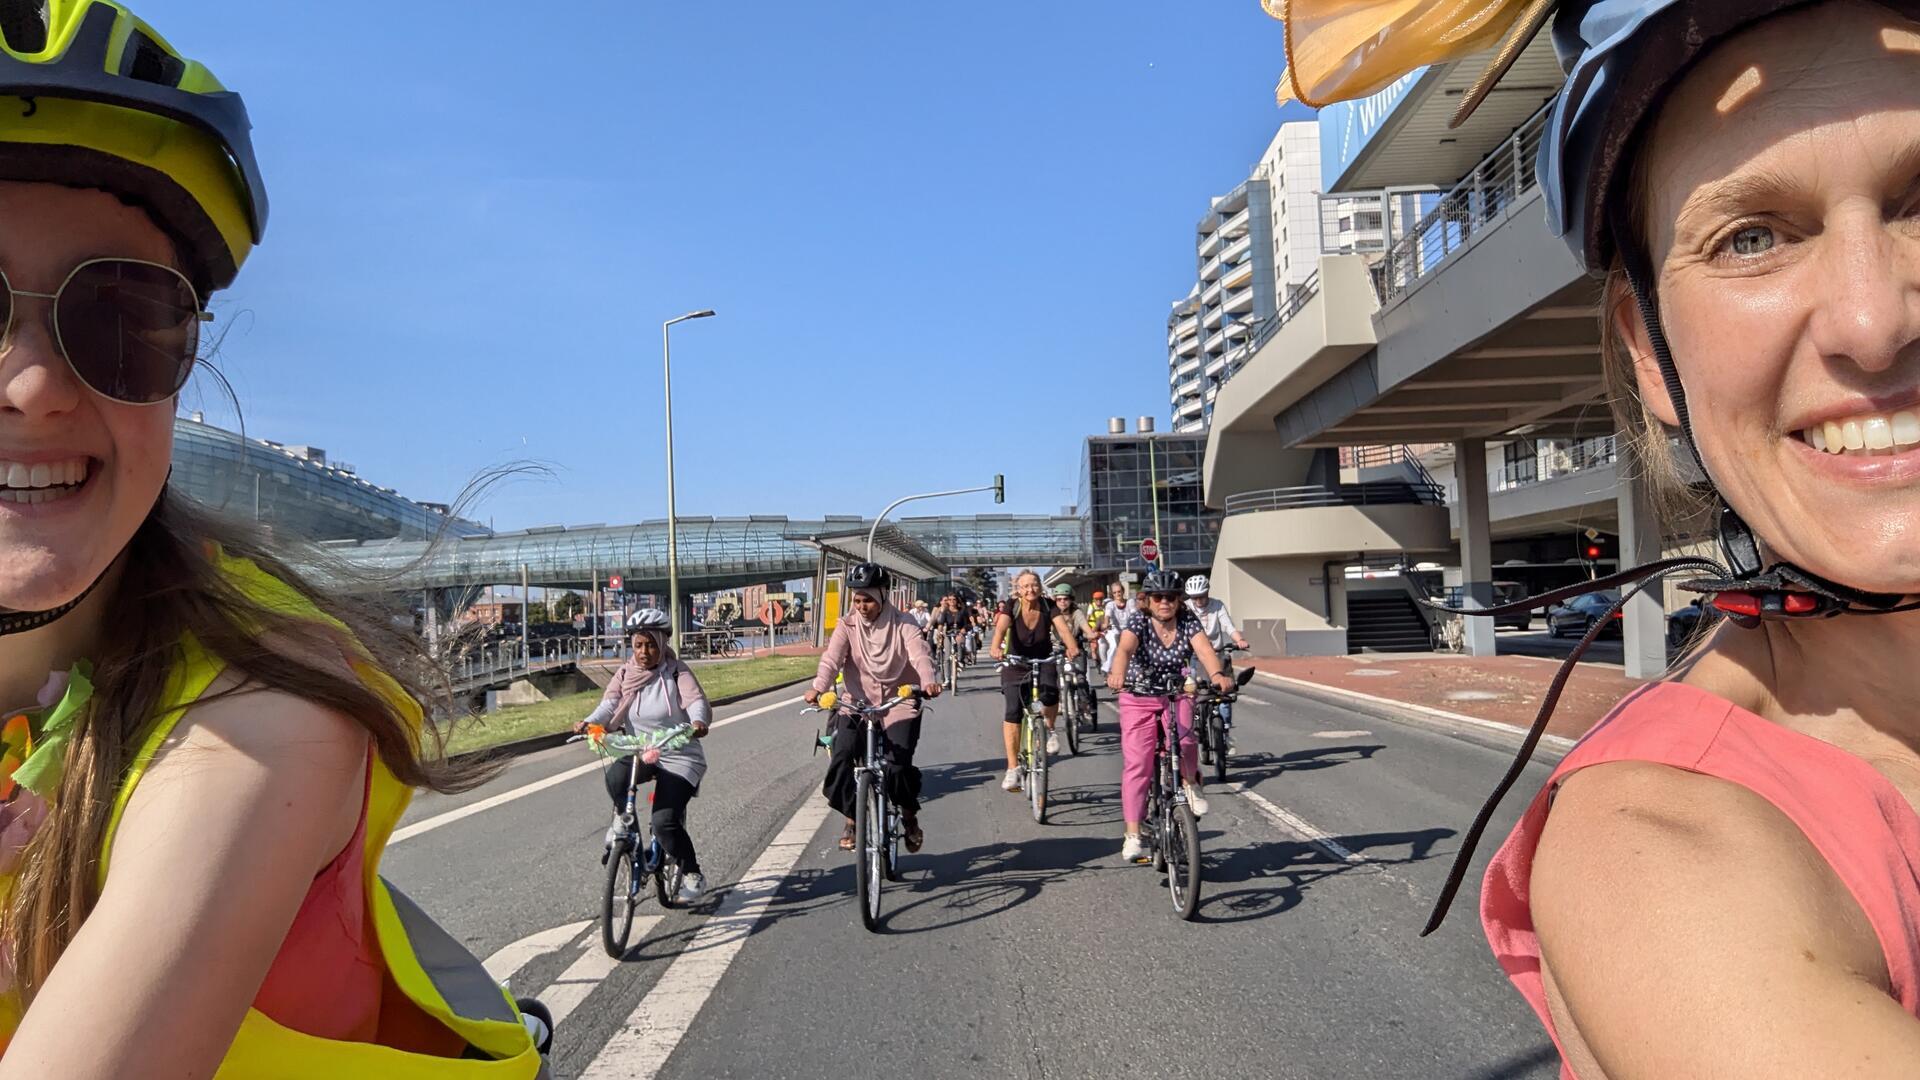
column 717, row 552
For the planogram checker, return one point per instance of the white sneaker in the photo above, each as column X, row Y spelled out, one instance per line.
column 692, row 888
column 1196, row 801
column 1053, row 741
column 619, row 830
column 1132, row 850
column 1012, row 781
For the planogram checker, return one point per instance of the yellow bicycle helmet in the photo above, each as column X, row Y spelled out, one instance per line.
column 91, row 96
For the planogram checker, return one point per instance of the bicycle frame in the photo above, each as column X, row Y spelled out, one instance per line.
column 1033, row 737
column 876, row 843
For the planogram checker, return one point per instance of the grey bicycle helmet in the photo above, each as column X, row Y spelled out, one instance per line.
column 648, row 619
column 1163, row 581
column 867, row 575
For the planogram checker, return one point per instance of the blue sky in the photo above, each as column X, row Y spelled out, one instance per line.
column 941, row 238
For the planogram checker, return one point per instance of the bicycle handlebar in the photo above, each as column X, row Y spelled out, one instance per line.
column 618, row 744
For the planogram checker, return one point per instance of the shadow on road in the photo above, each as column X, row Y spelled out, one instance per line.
column 1527, row 1063
column 1287, row 870
column 1254, row 768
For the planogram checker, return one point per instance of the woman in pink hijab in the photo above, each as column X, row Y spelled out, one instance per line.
column 881, row 649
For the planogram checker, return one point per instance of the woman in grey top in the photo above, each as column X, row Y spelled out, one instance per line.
column 651, row 692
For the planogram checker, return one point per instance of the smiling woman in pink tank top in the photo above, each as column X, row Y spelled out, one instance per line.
column 1723, row 878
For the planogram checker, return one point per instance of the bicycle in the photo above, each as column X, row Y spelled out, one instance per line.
column 1076, row 704
column 878, row 824
column 1213, row 718
column 630, row 863
column 949, row 660
column 1033, row 735
column 1170, row 831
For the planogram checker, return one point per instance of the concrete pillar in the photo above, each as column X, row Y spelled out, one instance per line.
column 1476, row 542
column 1645, row 632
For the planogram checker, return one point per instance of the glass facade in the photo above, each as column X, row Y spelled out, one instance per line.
column 302, row 496
column 1122, row 477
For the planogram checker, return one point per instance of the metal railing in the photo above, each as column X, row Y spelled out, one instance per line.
column 1374, row 493
column 506, row 660
column 1367, row 457
column 1552, row 459
column 1482, row 197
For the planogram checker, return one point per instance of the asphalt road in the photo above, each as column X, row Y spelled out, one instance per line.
column 1010, row 949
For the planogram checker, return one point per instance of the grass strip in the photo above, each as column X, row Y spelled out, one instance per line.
column 727, row 678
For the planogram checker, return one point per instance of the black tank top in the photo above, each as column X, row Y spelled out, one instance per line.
column 1034, row 644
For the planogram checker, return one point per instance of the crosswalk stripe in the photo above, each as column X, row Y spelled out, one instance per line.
column 648, row 1037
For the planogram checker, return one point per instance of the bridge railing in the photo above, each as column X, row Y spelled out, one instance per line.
column 505, row 660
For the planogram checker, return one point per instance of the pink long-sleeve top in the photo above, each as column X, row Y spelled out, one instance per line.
column 878, row 658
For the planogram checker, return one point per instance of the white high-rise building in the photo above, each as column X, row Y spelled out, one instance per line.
column 1255, row 247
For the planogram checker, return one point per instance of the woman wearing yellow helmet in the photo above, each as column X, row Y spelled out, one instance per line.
column 201, row 756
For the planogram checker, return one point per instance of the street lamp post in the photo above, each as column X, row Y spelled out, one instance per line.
column 673, row 521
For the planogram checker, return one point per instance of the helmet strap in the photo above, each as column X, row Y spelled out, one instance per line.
column 19, row 622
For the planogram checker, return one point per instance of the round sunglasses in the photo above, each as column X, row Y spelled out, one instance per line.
column 128, row 328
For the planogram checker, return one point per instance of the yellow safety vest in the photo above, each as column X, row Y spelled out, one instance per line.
column 428, row 964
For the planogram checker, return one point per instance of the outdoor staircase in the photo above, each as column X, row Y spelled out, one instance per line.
column 1385, row 621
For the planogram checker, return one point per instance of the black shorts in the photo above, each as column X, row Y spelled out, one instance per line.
column 1013, row 688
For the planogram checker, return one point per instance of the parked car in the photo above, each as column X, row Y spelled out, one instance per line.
column 1508, row 592
column 1578, row 614
column 1688, row 623
column 1504, row 592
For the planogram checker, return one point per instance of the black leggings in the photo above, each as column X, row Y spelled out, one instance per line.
column 1013, row 688
column 671, row 794
column 903, row 779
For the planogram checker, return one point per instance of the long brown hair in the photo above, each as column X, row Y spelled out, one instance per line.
column 171, row 586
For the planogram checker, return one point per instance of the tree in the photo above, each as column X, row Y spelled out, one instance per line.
column 567, row 605
column 980, row 580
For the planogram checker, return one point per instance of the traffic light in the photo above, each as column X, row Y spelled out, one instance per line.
column 1595, row 546
column 999, row 487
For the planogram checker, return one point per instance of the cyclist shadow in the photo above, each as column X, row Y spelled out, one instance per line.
column 953, row 888
column 1083, row 805
column 1279, row 875
column 951, row 777
column 1253, row 768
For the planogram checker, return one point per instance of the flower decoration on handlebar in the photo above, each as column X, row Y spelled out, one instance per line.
column 620, row 744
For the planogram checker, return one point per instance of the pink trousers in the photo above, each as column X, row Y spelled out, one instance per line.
column 1139, row 734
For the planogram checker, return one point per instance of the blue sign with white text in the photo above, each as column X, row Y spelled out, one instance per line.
column 1347, row 126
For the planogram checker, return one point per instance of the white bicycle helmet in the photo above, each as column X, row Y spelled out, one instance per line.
column 1198, row 585
column 648, row 619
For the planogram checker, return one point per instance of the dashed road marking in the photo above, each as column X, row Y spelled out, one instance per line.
column 564, row 994
column 506, row 963
column 1356, row 733
column 651, row 1033
column 429, row 824
column 1297, row 825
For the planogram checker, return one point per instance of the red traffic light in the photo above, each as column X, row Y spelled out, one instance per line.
column 1593, row 551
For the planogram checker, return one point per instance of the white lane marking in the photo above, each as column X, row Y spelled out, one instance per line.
column 648, row 1037
column 564, row 994
column 1262, row 702
column 1354, row 734
column 506, row 963
column 1297, row 825
column 429, row 824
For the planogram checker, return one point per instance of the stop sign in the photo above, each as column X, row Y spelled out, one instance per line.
column 1149, row 550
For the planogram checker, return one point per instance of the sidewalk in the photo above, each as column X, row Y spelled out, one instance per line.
column 1503, row 689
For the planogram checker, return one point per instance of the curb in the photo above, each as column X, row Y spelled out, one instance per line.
column 1552, row 747
column 537, row 743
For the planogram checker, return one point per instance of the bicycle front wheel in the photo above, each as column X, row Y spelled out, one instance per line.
column 1217, row 737
column 1037, row 767
column 622, row 896
column 1181, row 842
column 1072, row 708
column 868, row 821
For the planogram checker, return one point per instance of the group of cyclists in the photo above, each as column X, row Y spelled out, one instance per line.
column 1173, row 630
